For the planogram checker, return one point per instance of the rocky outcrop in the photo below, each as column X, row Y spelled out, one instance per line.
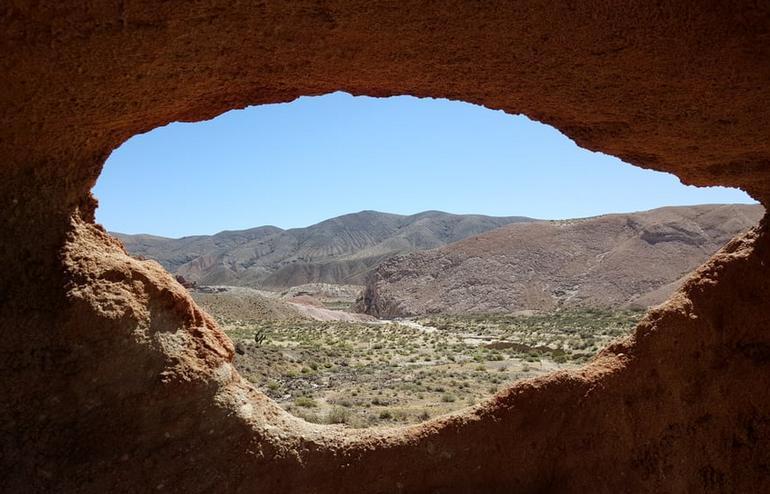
column 114, row 380
column 190, row 285
column 612, row 261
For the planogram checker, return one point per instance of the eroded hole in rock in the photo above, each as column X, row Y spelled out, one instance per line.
column 400, row 312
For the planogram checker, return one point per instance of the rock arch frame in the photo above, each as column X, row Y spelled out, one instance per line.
column 114, row 379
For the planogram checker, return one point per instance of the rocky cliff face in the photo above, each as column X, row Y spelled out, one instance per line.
column 113, row 378
column 620, row 260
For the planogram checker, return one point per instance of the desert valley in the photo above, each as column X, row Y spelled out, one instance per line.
column 375, row 319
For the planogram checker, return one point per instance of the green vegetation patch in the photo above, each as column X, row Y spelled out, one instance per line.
column 386, row 373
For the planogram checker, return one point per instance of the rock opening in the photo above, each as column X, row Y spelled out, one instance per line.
column 115, row 380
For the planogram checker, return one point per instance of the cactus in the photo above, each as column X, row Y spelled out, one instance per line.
column 259, row 336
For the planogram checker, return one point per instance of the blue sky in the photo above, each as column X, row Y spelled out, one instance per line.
column 299, row 163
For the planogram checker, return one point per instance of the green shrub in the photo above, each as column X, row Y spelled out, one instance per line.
column 338, row 415
column 305, row 401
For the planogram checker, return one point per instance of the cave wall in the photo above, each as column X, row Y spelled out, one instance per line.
column 114, row 380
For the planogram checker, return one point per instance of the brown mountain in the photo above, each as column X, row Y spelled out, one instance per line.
column 339, row 250
column 634, row 259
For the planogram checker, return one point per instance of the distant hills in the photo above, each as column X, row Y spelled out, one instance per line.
column 342, row 250
column 440, row 262
column 615, row 260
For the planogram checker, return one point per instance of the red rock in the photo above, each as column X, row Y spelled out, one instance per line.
column 113, row 379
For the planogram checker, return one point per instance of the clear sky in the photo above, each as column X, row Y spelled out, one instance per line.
column 298, row 163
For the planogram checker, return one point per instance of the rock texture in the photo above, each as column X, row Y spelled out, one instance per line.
column 617, row 260
column 339, row 250
column 113, row 379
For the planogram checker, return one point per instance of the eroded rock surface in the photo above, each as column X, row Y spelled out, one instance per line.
column 612, row 261
column 113, row 379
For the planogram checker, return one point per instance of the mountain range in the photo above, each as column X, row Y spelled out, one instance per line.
column 341, row 250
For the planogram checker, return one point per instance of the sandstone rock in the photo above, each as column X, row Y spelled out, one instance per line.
column 114, row 380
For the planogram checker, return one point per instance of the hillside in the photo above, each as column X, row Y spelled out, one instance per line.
column 339, row 250
column 247, row 305
column 616, row 260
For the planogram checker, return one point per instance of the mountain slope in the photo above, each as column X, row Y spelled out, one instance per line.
column 339, row 250
column 175, row 252
column 613, row 260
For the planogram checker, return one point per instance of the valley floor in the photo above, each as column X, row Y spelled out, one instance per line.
column 365, row 374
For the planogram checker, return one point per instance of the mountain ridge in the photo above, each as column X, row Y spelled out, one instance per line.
column 614, row 260
column 342, row 249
